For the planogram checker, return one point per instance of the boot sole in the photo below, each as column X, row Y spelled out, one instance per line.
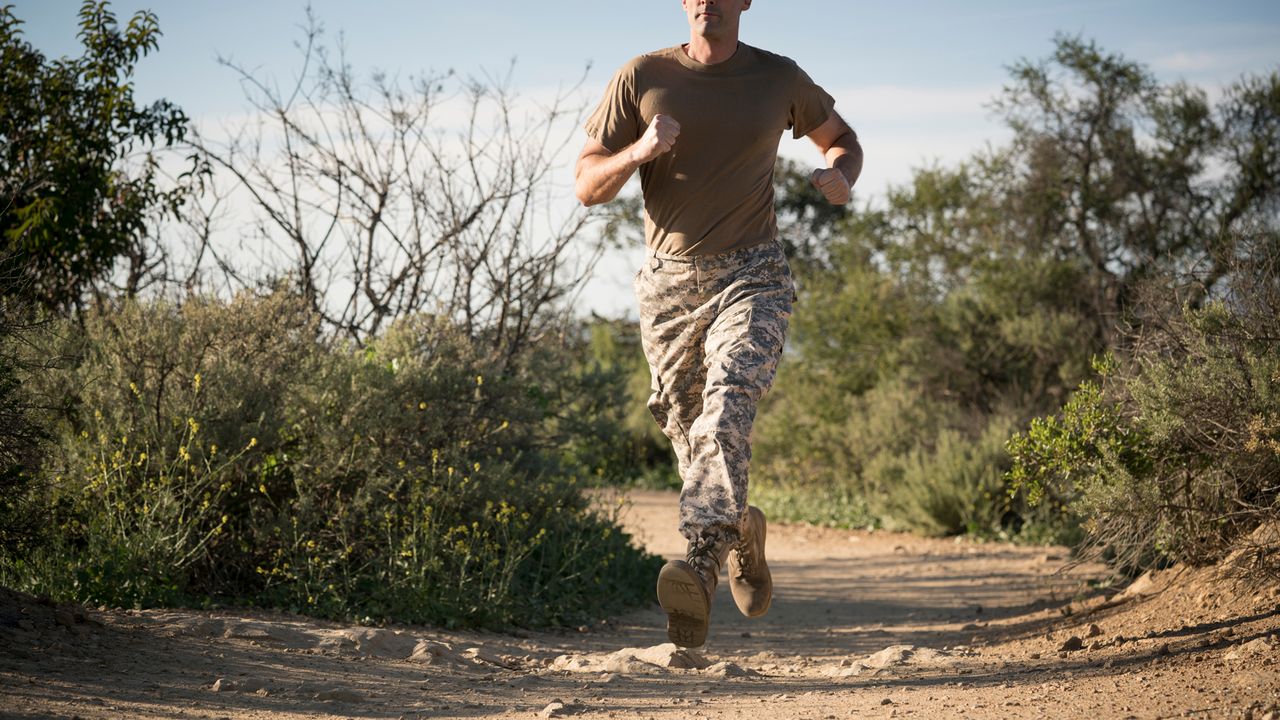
column 684, row 601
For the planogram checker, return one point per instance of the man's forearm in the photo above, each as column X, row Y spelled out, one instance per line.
column 599, row 178
column 845, row 155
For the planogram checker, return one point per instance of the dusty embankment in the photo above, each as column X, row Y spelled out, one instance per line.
column 863, row 624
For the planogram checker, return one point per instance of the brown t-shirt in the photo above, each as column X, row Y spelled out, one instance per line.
column 713, row 192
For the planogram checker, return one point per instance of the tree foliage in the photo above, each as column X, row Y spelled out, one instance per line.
column 975, row 296
column 80, row 180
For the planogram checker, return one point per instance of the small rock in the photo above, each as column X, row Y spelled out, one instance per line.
column 429, row 652
column 380, row 642
column 1163, row 649
column 1093, row 631
column 1144, row 585
column 886, row 701
column 64, row 617
column 728, row 670
column 26, row 624
column 1071, row 644
column 670, row 656
column 1258, row 646
column 480, row 655
column 892, row 655
column 342, row 695
column 246, row 685
column 555, row 708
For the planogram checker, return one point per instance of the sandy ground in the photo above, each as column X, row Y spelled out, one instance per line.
column 863, row 625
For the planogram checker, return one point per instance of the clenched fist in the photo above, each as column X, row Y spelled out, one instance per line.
column 833, row 185
column 657, row 139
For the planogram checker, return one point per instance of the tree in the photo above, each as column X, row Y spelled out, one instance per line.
column 1131, row 179
column 79, row 176
column 973, row 298
column 378, row 199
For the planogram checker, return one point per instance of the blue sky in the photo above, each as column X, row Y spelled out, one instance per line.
column 913, row 77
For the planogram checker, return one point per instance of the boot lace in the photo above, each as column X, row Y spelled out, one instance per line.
column 706, row 550
column 702, row 553
column 746, row 557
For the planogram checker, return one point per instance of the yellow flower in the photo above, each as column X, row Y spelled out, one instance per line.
column 182, row 453
column 253, row 442
column 196, row 382
column 422, row 406
column 195, row 426
column 133, row 387
column 479, row 379
column 213, row 449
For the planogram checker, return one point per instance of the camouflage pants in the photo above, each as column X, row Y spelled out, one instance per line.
column 712, row 328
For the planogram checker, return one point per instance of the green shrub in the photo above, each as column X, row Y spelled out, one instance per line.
column 955, row 486
column 610, row 435
column 21, row 438
column 1174, row 454
column 225, row 453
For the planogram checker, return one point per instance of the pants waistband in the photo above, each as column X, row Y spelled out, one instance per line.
column 724, row 258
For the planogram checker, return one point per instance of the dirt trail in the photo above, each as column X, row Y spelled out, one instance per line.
column 863, row 625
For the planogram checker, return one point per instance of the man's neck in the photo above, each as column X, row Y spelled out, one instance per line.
column 710, row 51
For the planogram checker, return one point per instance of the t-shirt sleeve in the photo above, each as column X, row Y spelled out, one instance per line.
column 616, row 123
column 810, row 105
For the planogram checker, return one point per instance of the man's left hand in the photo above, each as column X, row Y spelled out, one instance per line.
column 833, row 185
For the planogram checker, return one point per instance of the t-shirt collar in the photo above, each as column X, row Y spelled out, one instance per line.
column 734, row 61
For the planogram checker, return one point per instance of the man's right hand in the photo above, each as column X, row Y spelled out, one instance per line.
column 658, row 138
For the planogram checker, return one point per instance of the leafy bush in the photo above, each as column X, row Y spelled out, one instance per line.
column 225, row 453
column 971, row 300
column 1174, row 455
column 904, row 388
column 21, row 439
column 609, row 430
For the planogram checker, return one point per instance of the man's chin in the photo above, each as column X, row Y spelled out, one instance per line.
column 709, row 30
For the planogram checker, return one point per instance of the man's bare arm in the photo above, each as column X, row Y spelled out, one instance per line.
column 843, row 153
column 600, row 174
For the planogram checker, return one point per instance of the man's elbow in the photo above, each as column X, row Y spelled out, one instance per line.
column 585, row 194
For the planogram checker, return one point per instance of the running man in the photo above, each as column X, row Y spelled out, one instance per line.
column 702, row 122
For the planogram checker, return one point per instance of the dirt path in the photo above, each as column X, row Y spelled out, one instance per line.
column 863, row 625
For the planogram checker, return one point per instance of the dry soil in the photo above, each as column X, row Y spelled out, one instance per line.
column 864, row 624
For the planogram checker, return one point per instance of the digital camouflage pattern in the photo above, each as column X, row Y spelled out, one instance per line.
column 712, row 328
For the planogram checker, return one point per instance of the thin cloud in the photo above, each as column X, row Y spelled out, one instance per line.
column 899, row 102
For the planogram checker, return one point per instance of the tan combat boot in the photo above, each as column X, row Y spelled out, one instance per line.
column 685, row 589
column 749, row 577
